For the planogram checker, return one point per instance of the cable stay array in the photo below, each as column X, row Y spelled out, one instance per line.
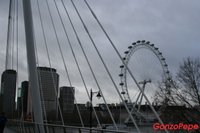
column 12, row 36
column 67, row 23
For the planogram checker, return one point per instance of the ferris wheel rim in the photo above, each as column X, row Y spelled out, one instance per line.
column 128, row 54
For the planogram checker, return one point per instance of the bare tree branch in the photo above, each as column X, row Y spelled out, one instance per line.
column 189, row 78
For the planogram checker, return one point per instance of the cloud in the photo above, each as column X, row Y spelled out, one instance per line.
column 172, row 25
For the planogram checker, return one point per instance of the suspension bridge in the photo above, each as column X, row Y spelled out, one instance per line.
column 61, row 44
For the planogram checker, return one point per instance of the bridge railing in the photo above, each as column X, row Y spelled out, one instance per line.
column 30, row 127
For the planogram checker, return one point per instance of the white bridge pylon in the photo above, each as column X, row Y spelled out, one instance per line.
column 34, row 84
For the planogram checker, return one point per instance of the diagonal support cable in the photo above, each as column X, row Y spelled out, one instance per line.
column 13, row 35
column 105, row 66
column 9, row 36
column 58, row 42
column 78, row 66
column 89, row 64
column 96, row 51
column 37, row 59
column 124, row 63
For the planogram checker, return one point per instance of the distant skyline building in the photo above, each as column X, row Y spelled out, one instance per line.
column 19, row 102
column 8, row 92
column 48, row 83
column 24, row 95
column 67, row 99
column 23, row 98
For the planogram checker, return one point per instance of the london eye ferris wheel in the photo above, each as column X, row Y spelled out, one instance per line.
column 148, row 65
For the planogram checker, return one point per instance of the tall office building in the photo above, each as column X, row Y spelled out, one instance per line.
column 67, row 99
column 24, row 95
column 19, row 106
column 8, row 89
column 19, row 102
column 48, row 82
column 23, row 99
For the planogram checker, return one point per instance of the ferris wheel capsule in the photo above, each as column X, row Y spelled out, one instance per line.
column 121, row 74
column 122, row 66
column 134, row 43
column 123, row 92
column 130, row 47
column 147, row 42
column 126, row 52
column 121, row 84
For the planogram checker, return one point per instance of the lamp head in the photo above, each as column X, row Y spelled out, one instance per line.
column 98, row 95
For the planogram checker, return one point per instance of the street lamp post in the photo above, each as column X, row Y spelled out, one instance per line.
column 91, row 96
column 91, row 93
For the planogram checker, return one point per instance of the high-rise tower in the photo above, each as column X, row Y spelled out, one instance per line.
column 67, row 99
column 8, row 90
column 48, row 82
column 24, row 95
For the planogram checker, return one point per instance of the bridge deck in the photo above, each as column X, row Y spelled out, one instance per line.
column 7, row 130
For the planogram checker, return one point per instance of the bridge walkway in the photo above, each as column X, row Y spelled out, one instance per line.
column 7, row 130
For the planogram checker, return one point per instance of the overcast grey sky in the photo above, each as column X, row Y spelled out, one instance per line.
column 173, row 26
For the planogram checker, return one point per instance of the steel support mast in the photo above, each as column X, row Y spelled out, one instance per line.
column 33, row 77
